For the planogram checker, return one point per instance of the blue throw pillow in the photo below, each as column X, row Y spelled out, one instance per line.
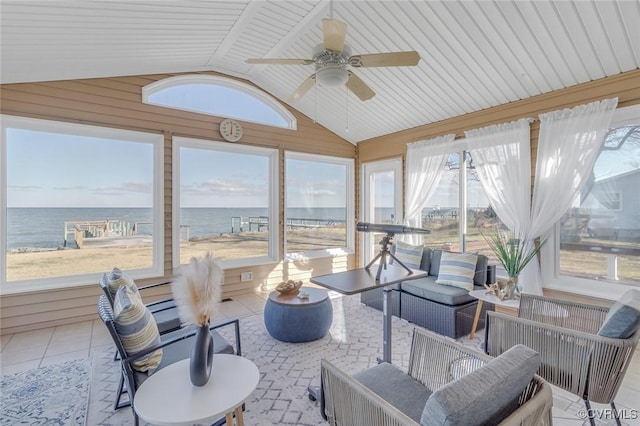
column 623, row 319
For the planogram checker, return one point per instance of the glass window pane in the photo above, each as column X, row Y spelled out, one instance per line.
column 600, row 235
column 77, row 204
column 440, row 213
column 224, row 203
column 383, row 197
column 316, row 204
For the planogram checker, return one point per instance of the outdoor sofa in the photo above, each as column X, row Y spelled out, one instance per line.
column 446, row 309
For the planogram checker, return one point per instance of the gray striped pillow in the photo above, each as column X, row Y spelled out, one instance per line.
column 137, row 328
column 409, row 254
column 457, row 269
column 116, row 279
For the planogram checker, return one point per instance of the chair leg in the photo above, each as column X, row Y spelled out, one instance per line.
column 615, row 413
column 121, row 390
column 589, row 412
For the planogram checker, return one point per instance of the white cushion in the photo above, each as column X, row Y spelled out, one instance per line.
column 457, row 269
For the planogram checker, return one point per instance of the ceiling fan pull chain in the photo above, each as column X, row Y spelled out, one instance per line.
column 346, row 93
column 315, row 102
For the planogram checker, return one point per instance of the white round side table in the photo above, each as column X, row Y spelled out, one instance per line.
column 482, row 296
column 169, row 398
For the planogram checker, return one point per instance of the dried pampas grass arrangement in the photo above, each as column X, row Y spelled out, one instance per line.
column 197, row 290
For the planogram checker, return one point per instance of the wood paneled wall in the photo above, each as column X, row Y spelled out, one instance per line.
column 116, row 102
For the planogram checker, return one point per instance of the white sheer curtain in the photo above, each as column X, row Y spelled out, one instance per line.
column 502, row 158
column 568, row 146
column 424, row 167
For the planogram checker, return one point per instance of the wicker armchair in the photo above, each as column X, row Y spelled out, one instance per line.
column 465, row 388
column 565, row 333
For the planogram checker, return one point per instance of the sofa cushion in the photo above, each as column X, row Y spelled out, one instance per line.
column 485, row 396
column 396, row 387
column 136, row 327
column 457, row 269
column 427, row 288
column 409, row 255
column 623, row 318
column 480, row 277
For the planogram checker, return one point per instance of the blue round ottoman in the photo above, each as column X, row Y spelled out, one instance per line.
column 291, row 319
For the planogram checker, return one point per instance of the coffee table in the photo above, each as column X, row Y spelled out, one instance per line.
column 289, row 318
column 169, row 398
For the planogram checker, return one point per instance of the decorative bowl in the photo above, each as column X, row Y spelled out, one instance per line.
column 289, row 287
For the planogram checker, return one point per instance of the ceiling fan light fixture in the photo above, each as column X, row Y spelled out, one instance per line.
column 330, row 76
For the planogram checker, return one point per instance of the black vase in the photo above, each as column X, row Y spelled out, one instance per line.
column 201, row 356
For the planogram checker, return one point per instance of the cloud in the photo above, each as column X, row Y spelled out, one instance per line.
column 222, row 187
column 71, row 188
column 24, row 187
column 124, row 188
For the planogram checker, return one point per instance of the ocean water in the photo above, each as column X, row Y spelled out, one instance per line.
column 44, row 227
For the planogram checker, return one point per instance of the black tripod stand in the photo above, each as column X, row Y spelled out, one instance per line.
column 384, row 254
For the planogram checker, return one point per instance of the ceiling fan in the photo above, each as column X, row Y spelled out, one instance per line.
column 333, row 58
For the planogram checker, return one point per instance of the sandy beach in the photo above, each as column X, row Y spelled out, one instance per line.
column 93, row 259
column 32, row 264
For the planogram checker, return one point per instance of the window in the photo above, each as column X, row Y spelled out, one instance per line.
column 597, row 242
column 225, row 202
column 455, row 229
column 219, row 96
column 319, row 203
column 441, row 210
column 78, row 200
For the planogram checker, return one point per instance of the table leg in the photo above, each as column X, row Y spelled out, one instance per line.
column 239, row 418
column 386, row 326
column 475, row 320
column 229, row 418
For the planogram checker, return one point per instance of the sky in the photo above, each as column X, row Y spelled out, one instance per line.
column 54, row 170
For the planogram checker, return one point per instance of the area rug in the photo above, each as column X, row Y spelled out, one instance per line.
column 54, row 395
column 286, row 369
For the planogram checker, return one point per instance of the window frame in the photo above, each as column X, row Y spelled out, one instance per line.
column 274, row 211
column 226, row 82
column 60, row 127
column 552, row 279
column 349, row 163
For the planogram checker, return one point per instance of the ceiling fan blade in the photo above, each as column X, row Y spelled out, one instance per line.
column 275, row 61
column 392, row 59
column 359, row 87
column 303, row 88
column 334, row 34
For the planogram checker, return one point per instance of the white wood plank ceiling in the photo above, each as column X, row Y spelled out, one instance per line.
column 474, row 54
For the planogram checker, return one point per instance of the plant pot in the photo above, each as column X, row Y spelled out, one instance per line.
column 511, row 290
column 201, row 357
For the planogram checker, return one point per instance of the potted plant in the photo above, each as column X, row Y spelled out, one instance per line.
column 514, row 253
column 197, row 292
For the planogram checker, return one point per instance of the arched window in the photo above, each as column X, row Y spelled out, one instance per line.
column 219, row 96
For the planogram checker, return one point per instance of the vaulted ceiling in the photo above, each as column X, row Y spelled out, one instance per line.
column 474, row 54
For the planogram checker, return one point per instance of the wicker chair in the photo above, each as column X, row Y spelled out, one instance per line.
column 176, row 346
column 446, row 384
column 565, row 333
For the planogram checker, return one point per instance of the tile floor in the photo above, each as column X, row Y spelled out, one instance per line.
column 39, row 348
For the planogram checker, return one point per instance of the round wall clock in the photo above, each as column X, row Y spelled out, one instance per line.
column 230, row 130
